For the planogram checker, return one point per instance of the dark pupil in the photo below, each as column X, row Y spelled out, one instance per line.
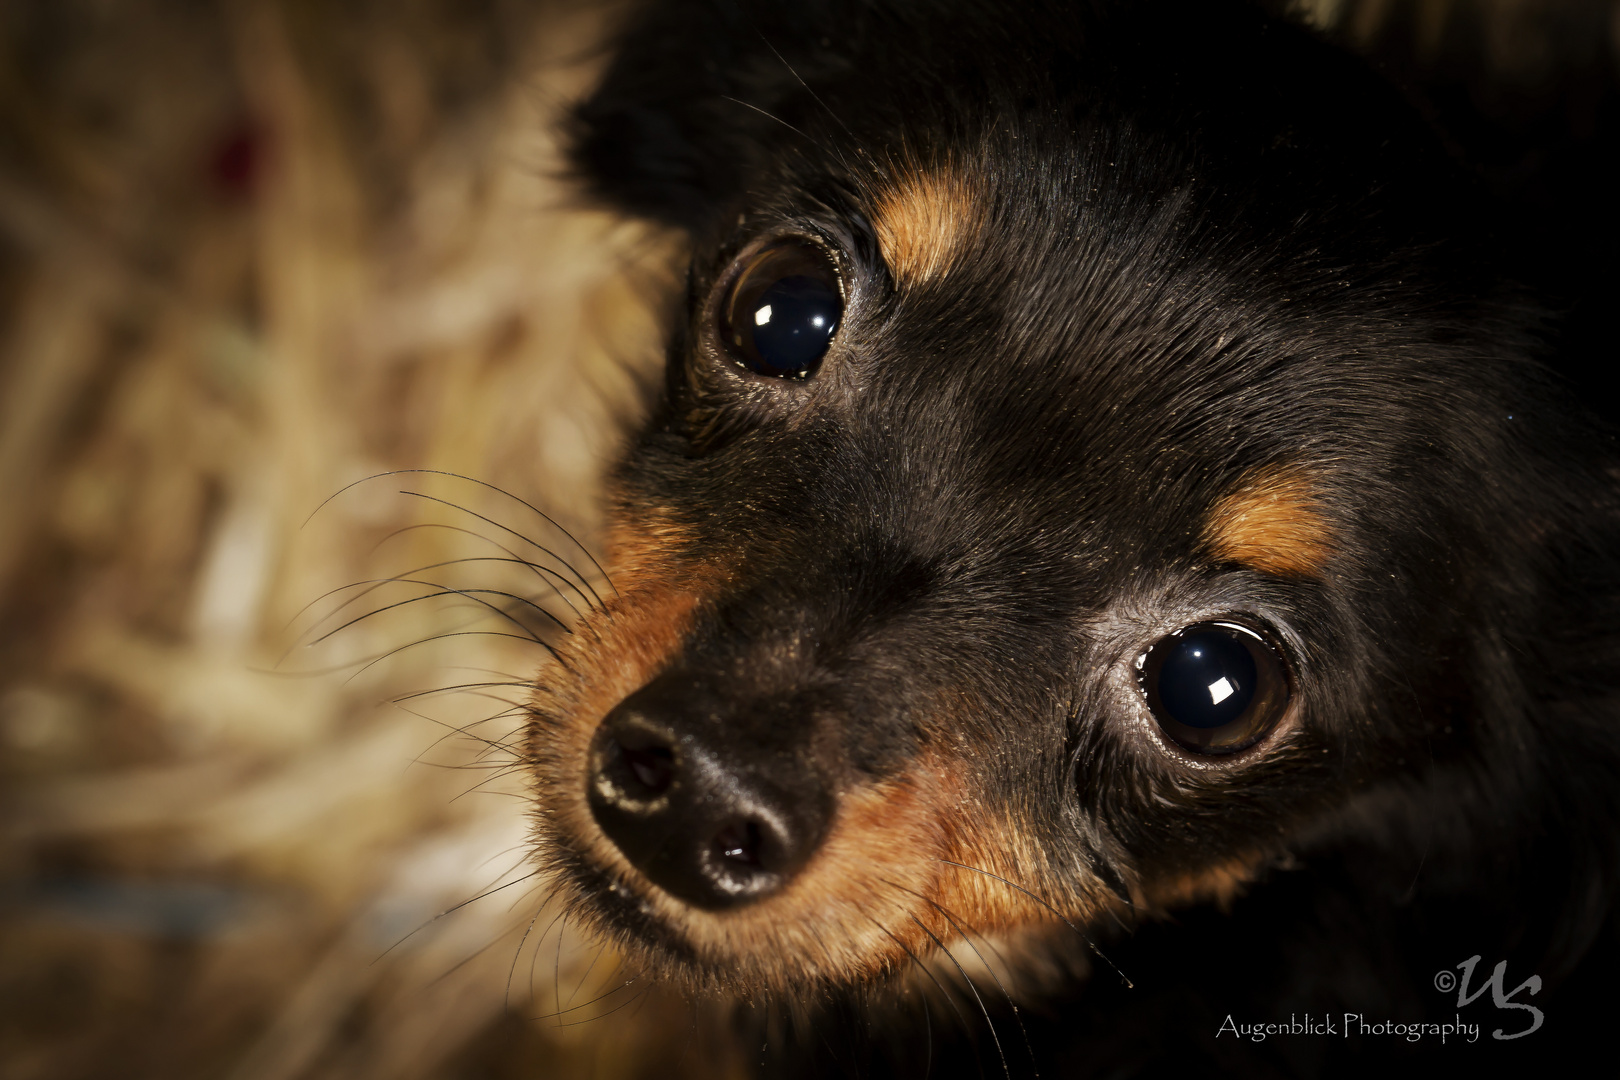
column 792, row 323
column 1207, row 679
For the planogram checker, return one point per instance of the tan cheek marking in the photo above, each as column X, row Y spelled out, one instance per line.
column 1000, row 879
column 910, row 865
column 1272, row 523
column 845, row 917
column 924, row 221
column 643, row 552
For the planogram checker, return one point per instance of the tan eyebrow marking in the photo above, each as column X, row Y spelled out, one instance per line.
column 924, row 220
column 1272, row 522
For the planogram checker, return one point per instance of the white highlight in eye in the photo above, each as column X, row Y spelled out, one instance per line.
column 762, row 316
column 1220, row 690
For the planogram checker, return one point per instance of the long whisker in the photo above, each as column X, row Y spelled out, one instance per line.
column 485, row 782
column 455, row 634
column 410, row 575
column 453, row 730
column 600, row 949
column 1077, row 931
column 950, row 999
column 772, row 116
column 792, row 71
column 537, row 546
column 972, row 989
column 444, row 590
column 464, row 961
column 948, row 917
column 603, row 1016
column 603, row 996
column 542, row 572
column 556, row 965
column 481, row 483
column 959, row 927
column 587, row 1004
column 511, row 971
column 1011, row 1004
column 834, row 150
column 452, row 910
column 366, row 662
column 373, row 584
column 549, row 520
column 510, row 743
column 459, row 687
column 534, row 957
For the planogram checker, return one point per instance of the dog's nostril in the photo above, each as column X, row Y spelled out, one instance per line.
column 739, row 842
column 634, row 763
column 755, row 853
column 653, row 768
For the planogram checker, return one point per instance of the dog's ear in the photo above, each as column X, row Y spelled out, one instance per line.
column 696, row 92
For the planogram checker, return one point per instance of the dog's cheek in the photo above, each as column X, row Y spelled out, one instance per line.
column 612, row 651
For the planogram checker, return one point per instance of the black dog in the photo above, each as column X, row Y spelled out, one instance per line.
column 1106, row 517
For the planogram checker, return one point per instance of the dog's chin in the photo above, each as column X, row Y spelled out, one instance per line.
column 762, row 956
column 856, row 914
column 619, row 914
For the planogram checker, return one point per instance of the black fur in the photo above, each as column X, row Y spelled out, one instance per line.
column 1214, row 244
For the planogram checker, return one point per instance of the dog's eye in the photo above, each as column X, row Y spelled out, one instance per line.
column 781, row 312
column 1215, row 687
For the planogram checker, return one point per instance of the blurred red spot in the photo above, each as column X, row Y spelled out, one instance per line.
column 236, row 162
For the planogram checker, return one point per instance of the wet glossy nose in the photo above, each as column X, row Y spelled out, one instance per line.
column 708, row 812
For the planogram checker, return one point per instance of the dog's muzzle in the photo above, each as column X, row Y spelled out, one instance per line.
column 717, row 809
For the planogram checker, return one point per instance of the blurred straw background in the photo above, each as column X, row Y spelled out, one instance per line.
column 253, row 252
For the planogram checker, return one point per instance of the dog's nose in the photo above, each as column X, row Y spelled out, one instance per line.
column 708, row 811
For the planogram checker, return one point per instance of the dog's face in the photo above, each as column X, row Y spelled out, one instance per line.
column 1057, row 503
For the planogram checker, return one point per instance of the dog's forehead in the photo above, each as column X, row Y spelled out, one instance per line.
column 1054, row 327
column 1037, row 358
